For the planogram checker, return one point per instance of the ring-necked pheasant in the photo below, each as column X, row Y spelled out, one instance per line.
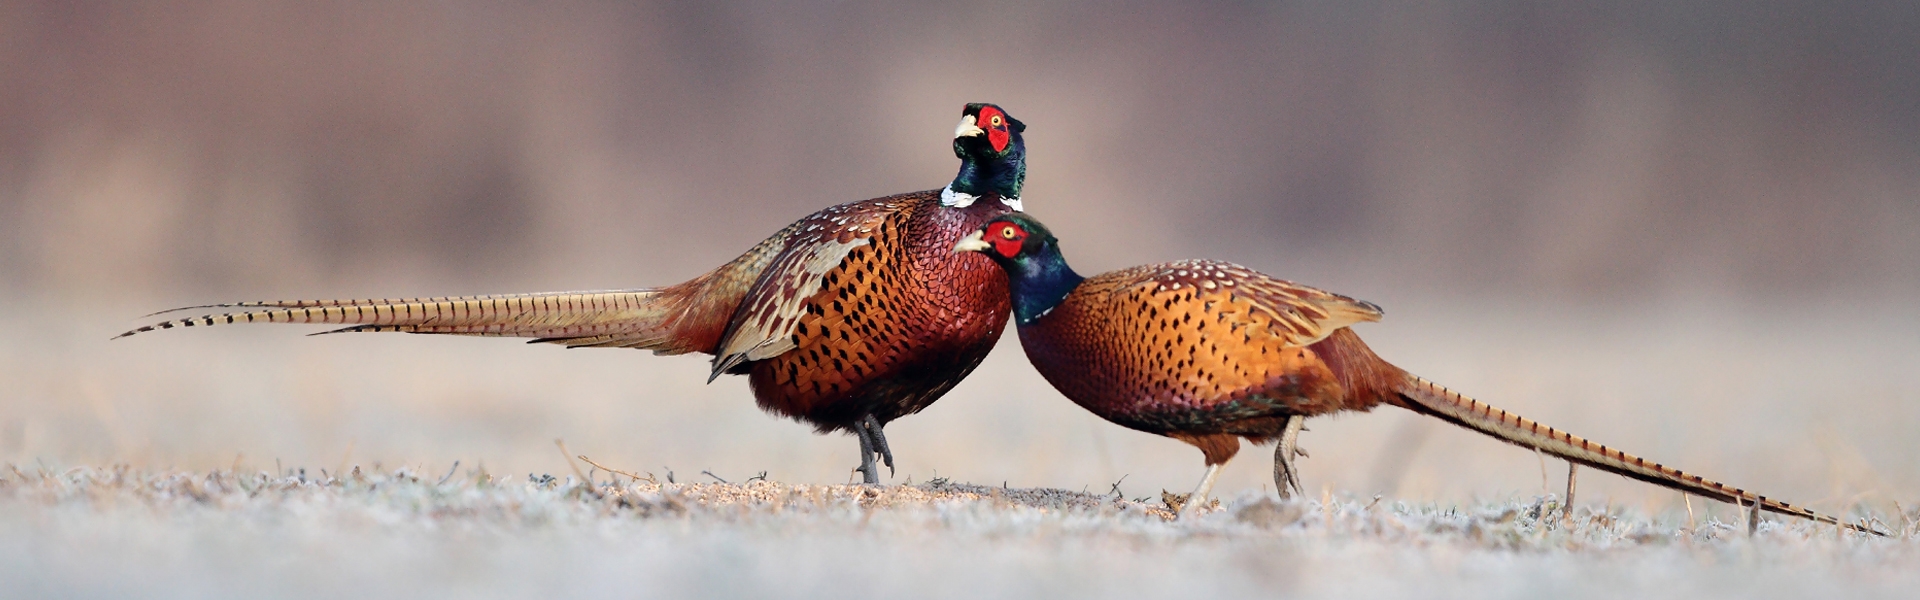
column 847, row 319
column 1209, row 352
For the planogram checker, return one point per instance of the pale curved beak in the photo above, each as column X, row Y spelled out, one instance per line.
column 967, row 128
column 974, row 242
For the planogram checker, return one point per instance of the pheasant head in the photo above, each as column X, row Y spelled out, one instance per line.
column 1037, row 275
column 993, row 157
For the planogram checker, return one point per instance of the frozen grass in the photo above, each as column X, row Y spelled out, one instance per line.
column 1816, row 409
column 94, row 532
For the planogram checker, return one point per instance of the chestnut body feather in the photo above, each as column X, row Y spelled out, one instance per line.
column 898, row 323
column 1200, row 350
column 847, row 319
column 1211, row 353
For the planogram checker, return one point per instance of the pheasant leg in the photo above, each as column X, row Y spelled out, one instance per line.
column 875, row 429
column 869, row 473
column 1199, row 495
column 1286, row 476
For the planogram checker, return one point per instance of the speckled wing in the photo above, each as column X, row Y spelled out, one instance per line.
column 763, row 326
column 1286, row 312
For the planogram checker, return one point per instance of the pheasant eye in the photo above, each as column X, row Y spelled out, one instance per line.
column 996, row 124
column 1009, row 232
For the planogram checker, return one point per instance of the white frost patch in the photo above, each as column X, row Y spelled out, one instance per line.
column 113, row 533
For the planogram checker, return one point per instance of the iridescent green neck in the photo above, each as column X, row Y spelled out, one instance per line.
column 989, row 173
column 1039, row 280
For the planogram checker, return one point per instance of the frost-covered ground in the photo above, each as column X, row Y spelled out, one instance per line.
column 1814, row 405
column 121, row 532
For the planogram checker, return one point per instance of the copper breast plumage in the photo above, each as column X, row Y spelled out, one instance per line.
column 898, row 323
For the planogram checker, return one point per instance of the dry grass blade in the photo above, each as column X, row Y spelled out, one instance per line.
column 649, row 478
column 1566, row 510
column 570, row 464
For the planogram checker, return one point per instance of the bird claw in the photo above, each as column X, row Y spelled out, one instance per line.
column 879, row 436
column 873, row 443
column 870, row 475
column 1286, row 476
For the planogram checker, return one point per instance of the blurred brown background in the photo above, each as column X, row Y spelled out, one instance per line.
column 1688, row 228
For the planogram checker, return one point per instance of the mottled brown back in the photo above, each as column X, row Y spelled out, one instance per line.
column 1209, row 352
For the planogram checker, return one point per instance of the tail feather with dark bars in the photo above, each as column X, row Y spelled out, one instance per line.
column 639, row 318
column 1426, row 397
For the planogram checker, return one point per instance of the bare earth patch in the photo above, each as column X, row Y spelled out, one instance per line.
column 95, row 532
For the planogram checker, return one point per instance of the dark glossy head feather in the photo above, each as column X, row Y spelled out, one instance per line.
column 993, row 155
column 1037, row 274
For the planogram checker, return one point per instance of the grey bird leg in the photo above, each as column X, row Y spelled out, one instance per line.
column 1286, row 476
column 875, row 429
column 869, row 473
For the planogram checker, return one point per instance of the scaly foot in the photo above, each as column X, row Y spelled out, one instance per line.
column 1199, row 495
column 1286, row 476
column 879, row 437
column 870, row 473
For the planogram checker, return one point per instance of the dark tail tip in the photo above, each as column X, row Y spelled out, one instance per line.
column 131, row 332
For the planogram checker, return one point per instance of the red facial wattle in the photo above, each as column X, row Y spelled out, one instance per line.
column 995, row 123
column 1007, row 239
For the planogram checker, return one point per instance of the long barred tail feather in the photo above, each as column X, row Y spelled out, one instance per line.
column 1426, row 397
column 638, row 318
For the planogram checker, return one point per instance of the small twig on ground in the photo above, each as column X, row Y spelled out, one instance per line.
column 648, row 478
column 1753, row 519
column 1688, row 499
column 1566, row 511
column 570, row 464
column 1116, row 487
column 345, row 458
column 715, row 477
column 1326, row 505
column 1907, row 522
column 1545, row 487
column 1869, row 521
column 763, row 477
column 450, row 471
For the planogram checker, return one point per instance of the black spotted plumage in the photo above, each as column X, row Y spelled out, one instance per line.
column 847, row 319
column 1210, row 353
